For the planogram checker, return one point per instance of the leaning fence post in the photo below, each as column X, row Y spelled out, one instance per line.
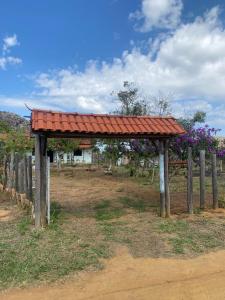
column 202, row 179
column 190, row 182
column 214, row 182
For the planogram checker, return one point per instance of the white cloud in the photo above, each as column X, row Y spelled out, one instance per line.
column 9, row 42
column 5, row 58
column 9, row 60
column 189, row 63
column 158, row 13
column 21, row 103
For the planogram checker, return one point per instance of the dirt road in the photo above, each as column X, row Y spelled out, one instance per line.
column 125, row 277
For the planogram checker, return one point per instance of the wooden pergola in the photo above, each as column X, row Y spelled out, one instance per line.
column 50, row 124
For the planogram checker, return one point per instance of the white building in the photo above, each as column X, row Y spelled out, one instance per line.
column 83, row 154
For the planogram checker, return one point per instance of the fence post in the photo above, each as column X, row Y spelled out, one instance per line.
column 16, row 172
column 202, row 179
column 11, row 170
column 214, row 182
column 40, row 205
column 25, row 174
column 162, row 181
column 21, row 176
column 29, row 177
column 166, row 176
column 5, row 174
column 190, row 182
column 48, row 189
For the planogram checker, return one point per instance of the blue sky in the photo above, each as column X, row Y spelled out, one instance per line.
column 70, row 55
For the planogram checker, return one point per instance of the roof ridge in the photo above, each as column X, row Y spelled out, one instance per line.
column 102, row 115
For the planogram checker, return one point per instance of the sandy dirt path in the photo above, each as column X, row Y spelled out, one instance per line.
column 125, row 277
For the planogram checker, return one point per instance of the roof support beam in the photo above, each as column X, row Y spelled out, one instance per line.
column 166, row 178
column 162, row 179
column 40, row 204
column 55, row 134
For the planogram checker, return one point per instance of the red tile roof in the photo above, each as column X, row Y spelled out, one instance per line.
column 103, row 125
column 85, row 144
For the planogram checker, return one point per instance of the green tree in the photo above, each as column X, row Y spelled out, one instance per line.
column 4, row 127
column 63, row 145
column 130, row 102
column 190, row 122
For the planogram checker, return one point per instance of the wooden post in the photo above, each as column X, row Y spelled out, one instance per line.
column 40, row 207
column 221, row 165
column 48, row 189
column 166, row 178
column 17, row 172
column 21, row 177
column 25, row 180
column 190, row 182
column 214, row 182
column 4, row 172
column 162, row 181
column 29, row 177
column 202, row 179
column 11, row 170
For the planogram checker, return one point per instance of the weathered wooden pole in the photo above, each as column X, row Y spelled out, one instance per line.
column 21, row 177
column 29, row 177
column 166, row 178
column 17, row 172
column 25, row 179
column 5, row 163
column 214, row 182
column 11, row 170
column 48, row 189
column 221, row 165
column 202, row 179
column 40, row 206
column 190, row 182
column 162, row 179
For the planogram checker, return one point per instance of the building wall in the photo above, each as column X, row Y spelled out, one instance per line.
column 86, row 157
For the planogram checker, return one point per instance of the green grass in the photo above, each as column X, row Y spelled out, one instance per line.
column 23, row 225
column 28, row 255
column 77, row 240
column 116, row 231
column 68, row 245
column 103, row 204
column 169, row 226
column 108, row 214
column 137, row 204
column 105, row 211
column 192, row 236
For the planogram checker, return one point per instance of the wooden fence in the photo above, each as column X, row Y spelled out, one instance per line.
column 201, row 180
column 17, row 179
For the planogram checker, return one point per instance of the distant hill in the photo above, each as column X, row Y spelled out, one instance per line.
column 14, row 121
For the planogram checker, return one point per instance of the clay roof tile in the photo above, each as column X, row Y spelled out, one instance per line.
column 49, row 121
